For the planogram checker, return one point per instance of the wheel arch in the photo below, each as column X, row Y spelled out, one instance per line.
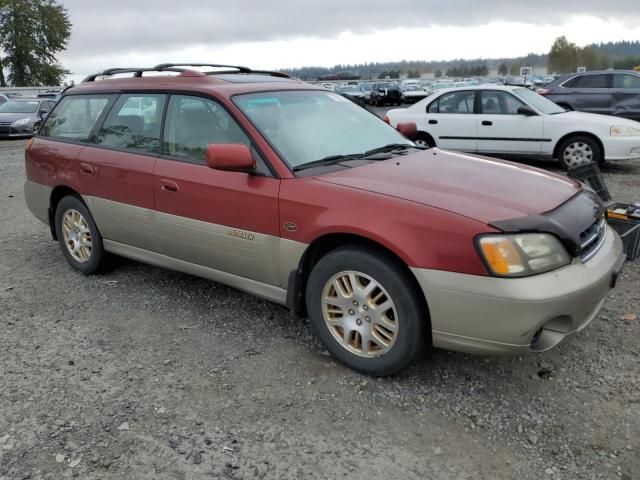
column 428, row 137
column 326, row 243
column 57, row 194
column 556, row 148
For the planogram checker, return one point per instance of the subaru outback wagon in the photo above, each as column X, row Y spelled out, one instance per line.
column 293, row 193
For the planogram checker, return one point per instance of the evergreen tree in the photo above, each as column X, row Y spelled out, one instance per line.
column 32, row 32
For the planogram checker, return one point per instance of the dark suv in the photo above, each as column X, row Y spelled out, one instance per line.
column 611, row 92
column 386, row 92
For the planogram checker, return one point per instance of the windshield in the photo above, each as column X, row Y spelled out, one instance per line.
column 306, row 126
column 538, row 102
column 19, row 107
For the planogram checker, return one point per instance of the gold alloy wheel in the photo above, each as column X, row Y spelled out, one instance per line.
column 76, row 235
column 360, row 314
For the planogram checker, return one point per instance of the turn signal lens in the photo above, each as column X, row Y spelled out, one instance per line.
column 27, row 145
column 522, row 255
column 501, row 255
column 386, row 119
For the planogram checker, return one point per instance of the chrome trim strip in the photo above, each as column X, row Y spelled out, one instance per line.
column 597, row 248
column 270, row 292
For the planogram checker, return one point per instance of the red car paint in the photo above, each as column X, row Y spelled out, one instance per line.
column 426, row 207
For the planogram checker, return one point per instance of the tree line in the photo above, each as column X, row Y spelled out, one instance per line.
column 563, row 57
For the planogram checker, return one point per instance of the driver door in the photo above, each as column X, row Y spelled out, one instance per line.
column 227, row 221
column 502, row 130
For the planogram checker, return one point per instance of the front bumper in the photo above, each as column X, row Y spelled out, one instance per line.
column 7, row 131
column 622, row 148
column 489, row 315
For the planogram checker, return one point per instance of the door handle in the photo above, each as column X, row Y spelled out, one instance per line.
column 168, row 186
column 433, row 122
column 86, row 168
column 487, row 123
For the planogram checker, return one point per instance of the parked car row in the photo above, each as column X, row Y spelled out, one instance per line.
column 517, row 122
column 611, row 92
column 269, row 185
column 21, row 117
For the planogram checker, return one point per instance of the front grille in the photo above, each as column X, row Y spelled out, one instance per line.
column 592, row 239
column 5, row 123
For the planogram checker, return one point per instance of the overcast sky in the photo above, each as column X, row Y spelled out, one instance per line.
column 293, row 33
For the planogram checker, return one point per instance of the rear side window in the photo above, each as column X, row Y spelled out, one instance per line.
column 588, row 81
column 454, row 102
column 75, row 117
column 192, row 123
column 626, row 81
column 134, row 123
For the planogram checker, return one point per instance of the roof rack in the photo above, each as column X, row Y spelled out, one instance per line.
column 136, row 71
column 178, row 67
column 239, row 68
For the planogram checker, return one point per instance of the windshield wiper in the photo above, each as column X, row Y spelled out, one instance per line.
column 388, row 148
column 330, row 160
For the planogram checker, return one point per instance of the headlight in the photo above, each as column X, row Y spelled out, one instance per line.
column 22, row 121
column 522, row 255
column 624, row 131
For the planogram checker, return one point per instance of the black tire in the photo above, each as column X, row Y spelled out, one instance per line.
column 412, row 318
column 97, row 255
column 423, row 137
column 596, row 156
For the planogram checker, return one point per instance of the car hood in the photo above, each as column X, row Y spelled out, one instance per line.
column 484, row 189
column 12, row 117
column 593, row 119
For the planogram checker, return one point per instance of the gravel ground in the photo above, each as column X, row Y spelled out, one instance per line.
column 149, row 374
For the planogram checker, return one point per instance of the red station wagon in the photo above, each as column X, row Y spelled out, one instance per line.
column 293, row 193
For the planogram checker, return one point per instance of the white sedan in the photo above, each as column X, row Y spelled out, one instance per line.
column 515, row 121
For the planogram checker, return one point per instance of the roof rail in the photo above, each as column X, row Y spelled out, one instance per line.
column 136, row 71
column 163, row 66
column 178, row 67
column 239, row 68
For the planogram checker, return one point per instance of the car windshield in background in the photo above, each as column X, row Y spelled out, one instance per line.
column 307, row 126
column 540, row 103
column 19, row 107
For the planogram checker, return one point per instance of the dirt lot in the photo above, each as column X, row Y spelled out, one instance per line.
column 144, row 373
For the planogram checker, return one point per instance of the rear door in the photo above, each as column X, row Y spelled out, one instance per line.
column 227, row 221
column 625, row 100
column 590, row 92
column 451, row 121
column 502, row 130
column 117, row 170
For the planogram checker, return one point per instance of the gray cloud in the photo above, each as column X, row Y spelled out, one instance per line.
column 156, row 25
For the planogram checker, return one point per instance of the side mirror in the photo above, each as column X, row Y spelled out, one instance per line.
column 232, row 157
column 408, row 130
column 526, row 111
column 43, row 113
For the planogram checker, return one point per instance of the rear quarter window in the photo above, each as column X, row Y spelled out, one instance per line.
column 75, row 117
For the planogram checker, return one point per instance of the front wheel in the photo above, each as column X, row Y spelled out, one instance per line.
column 579, row 150
column 79, row 238
column 366, row 311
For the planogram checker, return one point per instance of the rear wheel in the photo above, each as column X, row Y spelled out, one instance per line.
column 78, row 236
column 424, row 141
column 579, row 150
column 365, row 311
